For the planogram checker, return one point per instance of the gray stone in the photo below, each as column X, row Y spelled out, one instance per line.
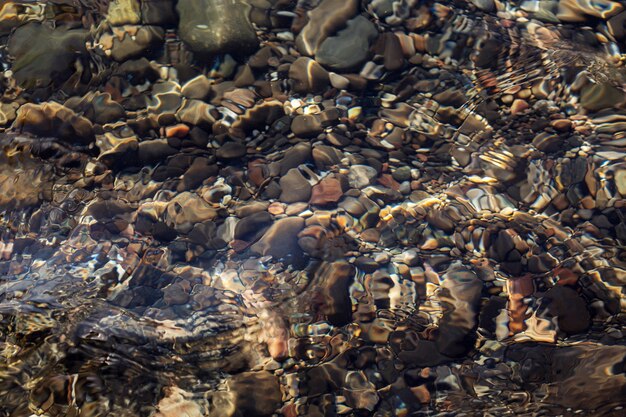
column 348, row 49
column 361, row 176
column 211, row 27
column 294, row 187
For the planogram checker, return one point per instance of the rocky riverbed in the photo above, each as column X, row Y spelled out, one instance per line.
column 312, row 208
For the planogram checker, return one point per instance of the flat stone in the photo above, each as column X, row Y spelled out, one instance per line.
column 308, row 76
column 252, row 225
column 294, row 187
column 132, row 46
column 281, row 239
column 326, row 156
column 306, row 126
column 231, row 150
column 349, row 49
column 250, row 394
column 43, row 55
column 595, row 97
column 393, row 57
column 361, row 176
column 327, row 191
column 324, row 20
column 211, row 27
column 620, row 181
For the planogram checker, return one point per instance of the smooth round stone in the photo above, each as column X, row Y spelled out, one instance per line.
column 147, row 37
column 197, row 88
column 326, row 156
column 484, row 5
column 349, row 49
column 43, row 55
column 324, row 20
column 308, row 76
column 294, row 157
column 294, row 187
column 339, row 81
column 249, row 394
column 361, row 176
column 280, row 239
column 252, row 224
column 569, row 308
column 595, row 97
column 211, row 27
column 402, row 174
column 306, row 126
column 231, row 150
column 327, row 191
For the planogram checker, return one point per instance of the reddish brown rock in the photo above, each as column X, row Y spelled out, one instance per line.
column 327, row 191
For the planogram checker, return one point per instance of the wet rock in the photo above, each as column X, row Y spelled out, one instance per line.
column 197, row 88
column 254, row 394
column 295, row 187
column 327, row 191
column 187, row 209
column 138, row 71
column 281, row 239
column 339, row 81
column 575, row 10
column 44, row 55
column 326, row 156
column 393, row 57
column 595, row 97
column 196, row 113
column 252, row 226
column 361, row 176
column 306, row 126
column 158, row 12
column 324, row 21
column 308, row 76
column 547, row 142
column 484, row 5
column 97, row 107
column 152, row 151
column 131, row 46
column 54, row 119
column 231, row 150
column 334, row 279
column 294, row 157
column 349, row 49
column 569, row 309
column 124, row 12
column 8, row 112
column 461, row 294
column 211, row 27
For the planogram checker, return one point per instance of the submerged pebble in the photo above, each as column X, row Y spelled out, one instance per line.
column 315, row 207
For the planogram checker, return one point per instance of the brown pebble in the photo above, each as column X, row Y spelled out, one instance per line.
column 177, row 131
column 327, row 191
column 562, row 125
column 519, row 106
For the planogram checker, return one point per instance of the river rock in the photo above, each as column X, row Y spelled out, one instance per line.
column 308, row 76
column 324, row 21
column 211, row 27
column 350, row 47
column 294, row 187
column 281, row 239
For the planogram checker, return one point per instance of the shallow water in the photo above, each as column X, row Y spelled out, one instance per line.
column 312, row 208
